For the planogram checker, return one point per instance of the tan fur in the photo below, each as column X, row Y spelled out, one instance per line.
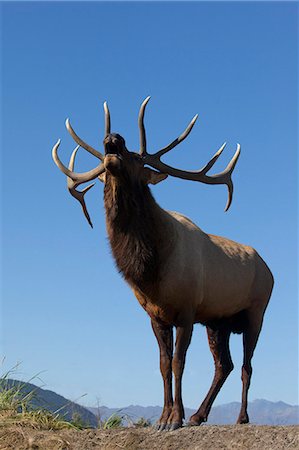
column 205, row 277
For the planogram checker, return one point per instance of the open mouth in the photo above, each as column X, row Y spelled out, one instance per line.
column 112, row 150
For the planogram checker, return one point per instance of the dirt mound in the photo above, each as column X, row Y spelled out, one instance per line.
column 206, row 437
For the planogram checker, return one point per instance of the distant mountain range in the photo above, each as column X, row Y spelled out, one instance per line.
column 261, row 412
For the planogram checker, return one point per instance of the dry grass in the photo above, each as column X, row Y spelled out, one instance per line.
column 15, row 407
column 206, row 437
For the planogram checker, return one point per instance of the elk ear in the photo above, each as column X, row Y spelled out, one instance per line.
column 153, row 177
column 102, row 177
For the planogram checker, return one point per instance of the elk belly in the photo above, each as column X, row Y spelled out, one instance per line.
column 228, row 278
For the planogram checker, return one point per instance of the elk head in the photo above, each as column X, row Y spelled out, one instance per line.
column 127, row 166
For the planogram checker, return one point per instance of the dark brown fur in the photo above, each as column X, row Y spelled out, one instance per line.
column 235, row 324
column 132, row 230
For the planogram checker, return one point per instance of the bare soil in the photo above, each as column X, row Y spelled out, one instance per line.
column 206, row 437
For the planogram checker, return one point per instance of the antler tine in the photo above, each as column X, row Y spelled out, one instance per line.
column 81, row 143
column 212, row 161
column 229, row 170
column 78, row 178
column 107, row 119
column 143, row 151
column 179, row 139
column 78, row 195
column 220, row 178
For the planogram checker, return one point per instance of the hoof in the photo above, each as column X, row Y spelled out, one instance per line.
column 196, row 420
column 174, row 426
column 243, row 419
column 159, row 426
column 192, row 424
column 162, row 427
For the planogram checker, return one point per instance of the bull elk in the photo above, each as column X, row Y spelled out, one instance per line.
column 179, row 274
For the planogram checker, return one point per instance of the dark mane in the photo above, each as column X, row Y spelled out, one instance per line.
column 132, row 231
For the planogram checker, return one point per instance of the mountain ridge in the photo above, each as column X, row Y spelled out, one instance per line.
column 261, row 411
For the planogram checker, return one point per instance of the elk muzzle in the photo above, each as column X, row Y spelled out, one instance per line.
column 115, row 148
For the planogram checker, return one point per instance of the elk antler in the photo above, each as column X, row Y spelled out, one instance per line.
column 154, row 160
column 81, row 143
column 75, row 179
column 78, row 195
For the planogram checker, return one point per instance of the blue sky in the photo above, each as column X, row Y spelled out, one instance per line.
column 66, row 311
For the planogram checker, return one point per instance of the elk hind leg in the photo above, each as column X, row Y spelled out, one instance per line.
column 219, row 346
column 250, row 338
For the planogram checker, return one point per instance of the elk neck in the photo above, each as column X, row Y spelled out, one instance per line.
column 136, row 230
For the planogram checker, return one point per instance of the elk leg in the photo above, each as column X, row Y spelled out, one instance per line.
column 219, row 346
column 250, row 338
column 164, row 336
column 183, row 338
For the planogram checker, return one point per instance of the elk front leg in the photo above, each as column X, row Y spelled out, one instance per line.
column 164, row 335
column 183, row 338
